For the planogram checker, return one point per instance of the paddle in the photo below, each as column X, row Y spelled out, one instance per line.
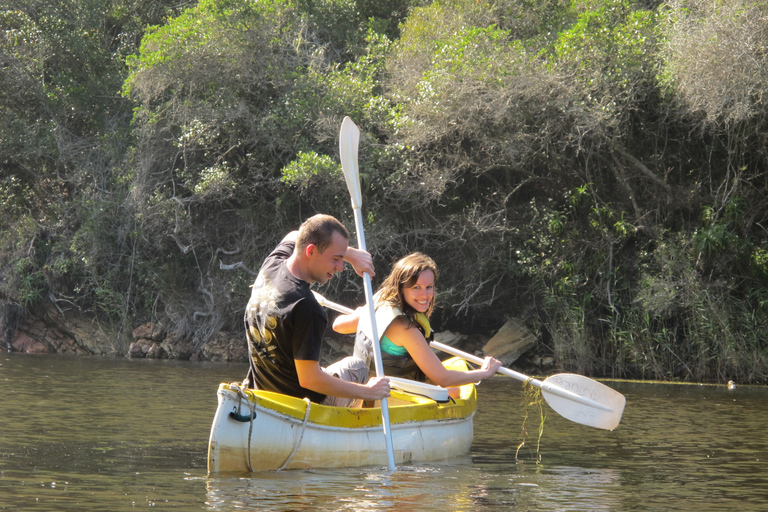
column 349, row 138
column 332, row 305
column 574, row 397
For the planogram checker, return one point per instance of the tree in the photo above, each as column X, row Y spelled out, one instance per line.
column 63, row 135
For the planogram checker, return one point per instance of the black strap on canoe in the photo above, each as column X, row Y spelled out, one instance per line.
column 242, row 418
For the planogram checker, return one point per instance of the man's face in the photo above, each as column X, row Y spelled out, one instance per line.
column 323, row 265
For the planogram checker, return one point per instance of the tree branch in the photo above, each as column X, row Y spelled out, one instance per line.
column 641, row 166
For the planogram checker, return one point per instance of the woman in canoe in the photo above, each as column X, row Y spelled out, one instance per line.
column 404, row 303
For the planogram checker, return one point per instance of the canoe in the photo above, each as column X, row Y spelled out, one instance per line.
column 256, row 430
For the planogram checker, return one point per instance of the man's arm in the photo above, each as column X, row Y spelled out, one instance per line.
column 361, row 261
column 311, row 376
column 290, row 237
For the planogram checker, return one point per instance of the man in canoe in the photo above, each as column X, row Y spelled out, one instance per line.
column 285, row 324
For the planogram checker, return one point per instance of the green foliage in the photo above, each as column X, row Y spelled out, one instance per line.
column 719, row 235
column 13, row 196
column 525, row 145
column 472, row 101
column 311, row 169
column 336, row 21
column 355, row 90
column 318, row 179
column 31, row 287
column 612, row 49
column 536, row 23
column 214, row 181
column 759, row 260
column 612, row 36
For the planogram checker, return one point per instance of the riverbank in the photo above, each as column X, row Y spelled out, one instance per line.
column 55, row 332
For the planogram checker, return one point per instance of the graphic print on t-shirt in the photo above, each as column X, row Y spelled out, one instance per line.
column 262, row 307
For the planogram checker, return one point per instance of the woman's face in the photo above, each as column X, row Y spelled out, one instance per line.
column 420, row 295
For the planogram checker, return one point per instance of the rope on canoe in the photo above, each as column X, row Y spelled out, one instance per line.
column 301, row 435
column 252, row 416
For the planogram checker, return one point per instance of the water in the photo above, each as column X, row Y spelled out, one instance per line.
column 98, row 434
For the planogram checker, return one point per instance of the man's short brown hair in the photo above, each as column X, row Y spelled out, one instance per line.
column 318, row 230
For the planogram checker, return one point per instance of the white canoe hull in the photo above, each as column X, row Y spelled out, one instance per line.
column 287, row 433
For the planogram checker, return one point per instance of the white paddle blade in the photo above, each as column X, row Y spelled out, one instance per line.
column 349, row 138
column 575, row 397
column 609, row 403
column 414, row 387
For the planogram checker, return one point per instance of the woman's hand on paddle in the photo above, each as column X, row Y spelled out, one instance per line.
column 491, row 365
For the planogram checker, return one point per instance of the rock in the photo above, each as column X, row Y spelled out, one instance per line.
column 148, row 331
column 224, row 346
column 156, row 352
column 239, row 353
column 22, row 342
column 135, row 350
column 510, row 342
column 82, row 334
column 52, row 333
column 143, row 348
column 543, row 362
column 56, row 332
column 177, row 345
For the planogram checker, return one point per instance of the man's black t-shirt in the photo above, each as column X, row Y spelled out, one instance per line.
column 283, row 322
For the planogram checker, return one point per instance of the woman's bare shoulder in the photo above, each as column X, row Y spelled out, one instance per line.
column 401, row 331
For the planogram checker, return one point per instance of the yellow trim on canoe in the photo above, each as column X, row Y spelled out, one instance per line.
column 403, row 407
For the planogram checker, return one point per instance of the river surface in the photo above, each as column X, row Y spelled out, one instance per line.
column 100, row 434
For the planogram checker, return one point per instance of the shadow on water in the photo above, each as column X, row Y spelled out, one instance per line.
column 92, row 434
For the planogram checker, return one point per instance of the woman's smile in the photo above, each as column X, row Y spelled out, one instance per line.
column 422, row 293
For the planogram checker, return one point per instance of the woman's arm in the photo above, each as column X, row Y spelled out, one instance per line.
column 347, row 324
column 413, row 340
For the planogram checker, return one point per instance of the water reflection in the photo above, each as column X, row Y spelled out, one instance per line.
column 451, row 487
column 408, row 488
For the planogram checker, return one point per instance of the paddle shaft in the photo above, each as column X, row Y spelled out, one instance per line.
column 348, row 142
column 332, row 305
column 571, row 406
column 546, row 386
